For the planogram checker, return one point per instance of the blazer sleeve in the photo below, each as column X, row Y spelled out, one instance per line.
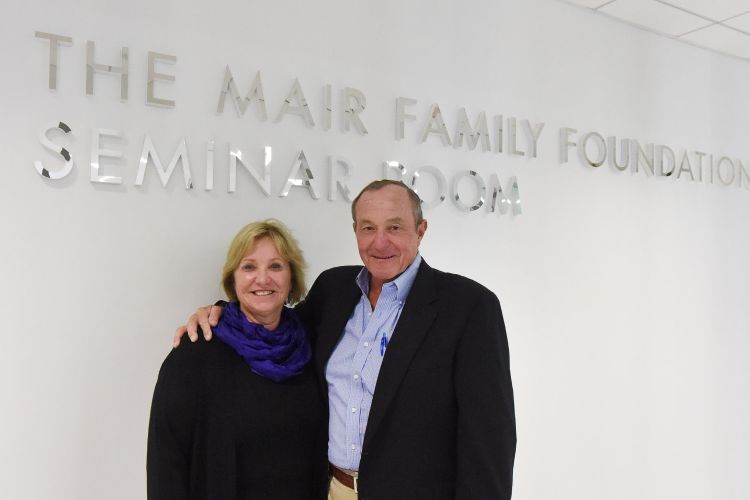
column 170, row 430
column 308, row 308
column 486, row 434
column 305, row 311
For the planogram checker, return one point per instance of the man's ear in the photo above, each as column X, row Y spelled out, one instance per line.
column 421, row 229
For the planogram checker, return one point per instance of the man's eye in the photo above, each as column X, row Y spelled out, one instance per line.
column 395, row 227
column 366, row 229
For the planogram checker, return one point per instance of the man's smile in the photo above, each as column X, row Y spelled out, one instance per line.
column 387, row 257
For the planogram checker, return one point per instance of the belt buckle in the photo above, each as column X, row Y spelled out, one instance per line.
column 356, row 485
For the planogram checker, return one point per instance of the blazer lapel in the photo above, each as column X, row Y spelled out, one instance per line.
column 333, row 321
column 416, row 318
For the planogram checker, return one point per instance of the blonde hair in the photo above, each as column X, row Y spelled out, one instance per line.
column 285, row 244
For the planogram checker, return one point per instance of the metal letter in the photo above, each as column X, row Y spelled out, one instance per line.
column 391, row 166
column 402, row 116
column 436, row 125
column 721, row 162
column 51, row 146
column 180, row 154
column 638, row 155
column 743, row 174
column 600, row 145
column 352, row 110
column 565, row 142
column 91, row 67
column 327, row 107
column 240, row 104
column 439, row 179
column 499, row 201
column 533, row 134
column 660, row 157
column 624, row 152
column 210, row 146
column 301, row 109
column 685, row 161
column 480, row 188
column 700, row 155
column 472, row 135
column 300, row 166
column 153, row 76
column 339, row 181
column 97, row 153
column 54, row 42
column 512, row 137
column 263, row 181
column 499, row 130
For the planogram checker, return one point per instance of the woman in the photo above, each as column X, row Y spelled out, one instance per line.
column 242, row 418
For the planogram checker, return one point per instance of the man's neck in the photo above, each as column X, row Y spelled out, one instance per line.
column 376, row 286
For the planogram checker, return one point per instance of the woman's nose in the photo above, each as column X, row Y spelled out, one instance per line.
column 261, row 276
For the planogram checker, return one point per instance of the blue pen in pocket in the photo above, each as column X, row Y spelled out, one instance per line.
column 383, row 344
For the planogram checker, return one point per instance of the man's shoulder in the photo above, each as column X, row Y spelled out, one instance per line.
column 460, row 291
column 458, row 284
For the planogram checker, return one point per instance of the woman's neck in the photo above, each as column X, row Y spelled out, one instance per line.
column 270, row 321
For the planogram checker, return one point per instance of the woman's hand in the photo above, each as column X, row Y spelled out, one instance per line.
column 205, row 317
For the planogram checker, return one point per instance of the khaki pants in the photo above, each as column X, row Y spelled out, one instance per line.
column 337, row 491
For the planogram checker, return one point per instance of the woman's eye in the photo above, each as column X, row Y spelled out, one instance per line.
column 248, row 267
column 276, row 266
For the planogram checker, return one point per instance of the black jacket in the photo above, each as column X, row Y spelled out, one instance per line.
column 442, row 422
column 218, row 431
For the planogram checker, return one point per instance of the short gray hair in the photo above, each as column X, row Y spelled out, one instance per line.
column 416, row 202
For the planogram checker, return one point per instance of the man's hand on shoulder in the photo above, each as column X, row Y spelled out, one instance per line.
column 205, row 317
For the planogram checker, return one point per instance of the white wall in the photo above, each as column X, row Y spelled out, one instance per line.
column 625, row 296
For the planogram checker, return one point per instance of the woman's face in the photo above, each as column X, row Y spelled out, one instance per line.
column 262, row 283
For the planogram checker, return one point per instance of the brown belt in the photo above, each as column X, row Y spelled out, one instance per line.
column 344, row 478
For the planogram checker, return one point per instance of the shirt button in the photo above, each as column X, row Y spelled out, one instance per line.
column 356, row 377
column 354, row 410
column 354, row 447
column 367, row 344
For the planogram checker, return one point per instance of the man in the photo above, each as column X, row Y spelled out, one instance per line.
column 415, row 364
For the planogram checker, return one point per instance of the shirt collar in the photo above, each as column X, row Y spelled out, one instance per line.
column 403, row 282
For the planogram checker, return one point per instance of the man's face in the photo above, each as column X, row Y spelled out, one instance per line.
column 387, row 235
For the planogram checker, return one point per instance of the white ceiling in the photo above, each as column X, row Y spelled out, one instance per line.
column 720, row 25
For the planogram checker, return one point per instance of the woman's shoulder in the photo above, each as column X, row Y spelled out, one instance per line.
column 195, row 356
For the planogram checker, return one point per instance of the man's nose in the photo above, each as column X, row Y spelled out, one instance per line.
column 381, row 239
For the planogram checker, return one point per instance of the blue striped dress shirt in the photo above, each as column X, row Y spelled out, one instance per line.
column 353, row 368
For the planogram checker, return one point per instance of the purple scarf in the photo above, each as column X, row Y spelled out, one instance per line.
column 276, row 354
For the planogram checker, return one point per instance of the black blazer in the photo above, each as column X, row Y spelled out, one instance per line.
column 442, row 422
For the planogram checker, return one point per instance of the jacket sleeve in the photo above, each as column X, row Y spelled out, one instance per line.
column 486, row 434
column 319, row 463
column 170, row 432
column 307, row 309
